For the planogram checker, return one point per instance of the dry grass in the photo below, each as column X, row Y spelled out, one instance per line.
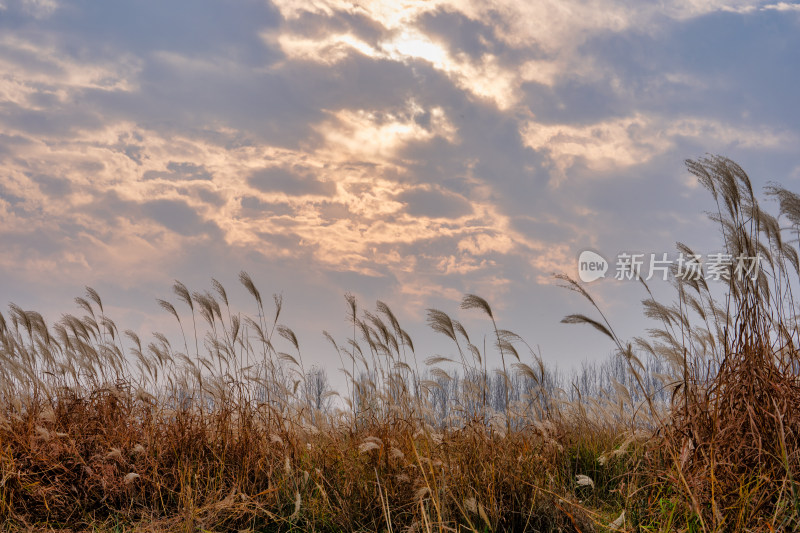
column 228, row 430
column 732, row 451
column 233, row 439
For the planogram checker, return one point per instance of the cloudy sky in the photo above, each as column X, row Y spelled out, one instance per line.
column 405, row 151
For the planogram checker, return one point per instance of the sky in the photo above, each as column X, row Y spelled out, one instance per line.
column 404, row 151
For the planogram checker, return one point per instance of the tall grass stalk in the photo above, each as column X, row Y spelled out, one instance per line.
column 693, row 427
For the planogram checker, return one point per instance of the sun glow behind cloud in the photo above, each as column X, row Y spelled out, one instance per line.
column 483, row 77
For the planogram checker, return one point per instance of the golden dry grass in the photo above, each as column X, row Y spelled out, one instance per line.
column 226, row 430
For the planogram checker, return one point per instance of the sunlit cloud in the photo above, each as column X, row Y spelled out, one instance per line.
column 36, row 67
column 484, row 78
column 330, row 50
column 547, row 34
column 783, row 6
column 637, row 139
column 389, row 14
column 375, row 136
column 754, row 6
column 167, row 189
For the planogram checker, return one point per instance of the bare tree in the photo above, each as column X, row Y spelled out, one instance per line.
column 317, row 389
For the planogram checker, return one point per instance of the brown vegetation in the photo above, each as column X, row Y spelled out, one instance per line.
column 694, row 428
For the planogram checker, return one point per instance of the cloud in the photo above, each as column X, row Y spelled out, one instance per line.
column 483, row 77
column 290, row 182
column 178, row 216
column 782, row 6
column 636, row 140
column 254, row 207
column 434, row 203
column 365, row 135
column 41, row 68
column 52, row 186
column 180, row 172
column 488, row 49
column 36, row 8
column 208, row 196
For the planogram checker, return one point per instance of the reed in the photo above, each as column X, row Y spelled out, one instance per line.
column 693, row 427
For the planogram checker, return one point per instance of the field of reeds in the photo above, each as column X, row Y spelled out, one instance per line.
column 692, row 427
